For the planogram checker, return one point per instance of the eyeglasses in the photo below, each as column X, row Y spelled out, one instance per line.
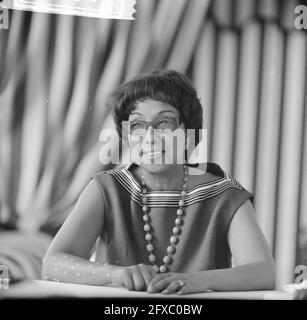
column 138, row 126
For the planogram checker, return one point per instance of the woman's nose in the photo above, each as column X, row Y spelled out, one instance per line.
column 149, row 135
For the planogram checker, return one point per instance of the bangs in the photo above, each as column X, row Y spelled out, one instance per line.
column 167, row 86
column 153, row 87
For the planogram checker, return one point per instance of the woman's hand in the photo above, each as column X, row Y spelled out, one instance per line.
column 136, row 277
column 176, row 283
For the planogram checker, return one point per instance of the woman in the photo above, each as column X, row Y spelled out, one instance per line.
column 160, row 228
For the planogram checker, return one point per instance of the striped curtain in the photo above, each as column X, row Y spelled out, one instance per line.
column 246, row 60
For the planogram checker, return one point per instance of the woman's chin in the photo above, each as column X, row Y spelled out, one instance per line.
column 155, row 162
column 155, row 167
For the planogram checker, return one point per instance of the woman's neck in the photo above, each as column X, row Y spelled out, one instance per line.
column 170, row 179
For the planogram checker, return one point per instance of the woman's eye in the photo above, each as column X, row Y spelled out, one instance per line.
column 137, row 125
column 164, row 121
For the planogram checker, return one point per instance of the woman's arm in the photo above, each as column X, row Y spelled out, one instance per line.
column 67, row 258
column 254, row 270
column 255, row 267
column 63, row 267
column 251, row 253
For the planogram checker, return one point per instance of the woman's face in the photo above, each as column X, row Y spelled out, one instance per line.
column 152, row 145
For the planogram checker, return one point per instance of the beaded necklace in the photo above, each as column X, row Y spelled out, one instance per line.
column 171, row 249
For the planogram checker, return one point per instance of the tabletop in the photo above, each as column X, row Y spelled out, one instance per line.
column 50, row 289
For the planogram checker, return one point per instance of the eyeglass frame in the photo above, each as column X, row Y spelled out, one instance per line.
column 154, row 125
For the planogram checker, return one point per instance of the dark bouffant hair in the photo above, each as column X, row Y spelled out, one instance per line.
column 167, row 86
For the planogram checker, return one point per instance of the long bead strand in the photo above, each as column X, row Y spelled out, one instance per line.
column 176, row 231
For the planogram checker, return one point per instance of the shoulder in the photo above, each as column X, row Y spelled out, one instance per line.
column 215, row 168
column 224, row 184
column 108, row 180
column 211, row 173
column 105, row 174
column 203, row 174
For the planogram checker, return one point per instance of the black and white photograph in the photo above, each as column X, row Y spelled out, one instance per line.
column 153, row 149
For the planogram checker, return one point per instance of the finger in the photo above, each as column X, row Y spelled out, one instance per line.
column 138, row 280
column 152, row 272
column 184, row 290
column 145, row 271
column 160, row 276
column 173, row 287
column 156, row 279
column 161, row 285
column 127, row 280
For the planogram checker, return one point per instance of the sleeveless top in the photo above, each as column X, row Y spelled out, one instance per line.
column 209, row 209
